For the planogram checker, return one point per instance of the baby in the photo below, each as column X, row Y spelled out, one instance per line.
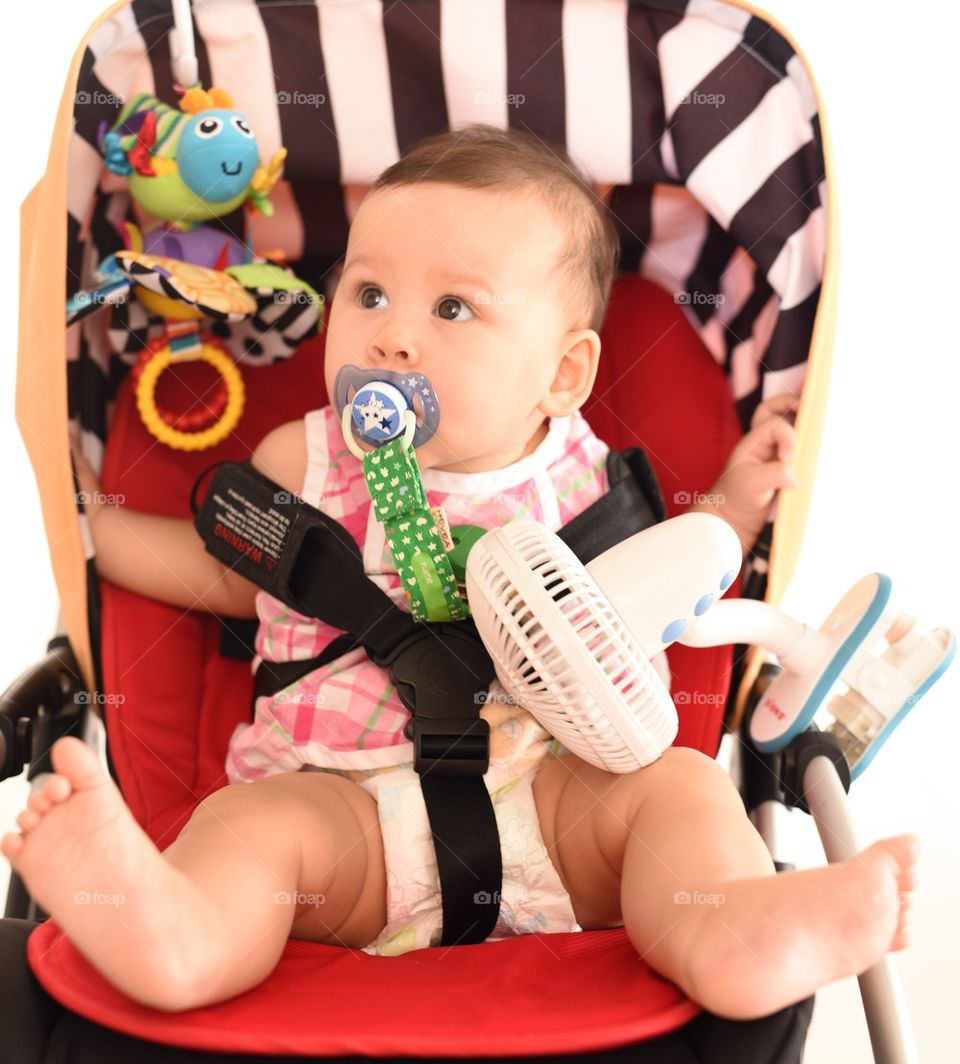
column 479, row 266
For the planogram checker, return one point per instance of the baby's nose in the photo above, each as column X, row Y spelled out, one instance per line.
column 399, row 353
column 394, row 345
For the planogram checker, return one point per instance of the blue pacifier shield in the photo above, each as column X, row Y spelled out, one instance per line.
column 378, row 399
column 377, row 413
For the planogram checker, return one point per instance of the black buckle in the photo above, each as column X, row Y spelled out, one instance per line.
column 441, row 673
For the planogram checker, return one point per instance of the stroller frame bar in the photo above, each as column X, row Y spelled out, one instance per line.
column 891, row 1034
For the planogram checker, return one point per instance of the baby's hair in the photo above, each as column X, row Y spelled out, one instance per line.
column 485, row 157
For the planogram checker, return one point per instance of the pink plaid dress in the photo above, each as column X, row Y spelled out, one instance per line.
column 346, row 716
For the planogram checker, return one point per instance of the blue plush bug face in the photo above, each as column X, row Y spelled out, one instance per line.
column 217, row 155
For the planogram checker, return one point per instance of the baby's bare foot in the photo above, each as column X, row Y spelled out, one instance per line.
column 87, row 863
column 768, row 942
column 893, row 862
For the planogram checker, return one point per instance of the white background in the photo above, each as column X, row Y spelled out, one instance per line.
column 886, row 488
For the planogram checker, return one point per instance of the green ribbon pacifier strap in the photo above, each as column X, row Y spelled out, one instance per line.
column 400, row 504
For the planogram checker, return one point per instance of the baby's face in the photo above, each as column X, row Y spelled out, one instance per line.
column 458, row 285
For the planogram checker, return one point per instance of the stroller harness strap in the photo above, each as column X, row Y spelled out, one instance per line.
column 441, row 671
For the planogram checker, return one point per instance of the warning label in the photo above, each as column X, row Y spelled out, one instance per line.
column 257, row 533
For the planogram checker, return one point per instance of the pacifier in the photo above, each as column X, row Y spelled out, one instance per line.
column 384, row 407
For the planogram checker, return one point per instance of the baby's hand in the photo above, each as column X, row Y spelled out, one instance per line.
column 784, row 405
column 757, row 468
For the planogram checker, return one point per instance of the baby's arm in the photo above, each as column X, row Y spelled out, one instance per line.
column 164, row 557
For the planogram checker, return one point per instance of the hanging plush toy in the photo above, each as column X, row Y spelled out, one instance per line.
column 186, row 165
column 190, row 163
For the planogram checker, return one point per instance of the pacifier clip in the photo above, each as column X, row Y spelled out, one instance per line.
column 417, row 535
column 419, row 550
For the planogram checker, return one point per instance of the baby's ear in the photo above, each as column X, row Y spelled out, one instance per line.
column 576, row 372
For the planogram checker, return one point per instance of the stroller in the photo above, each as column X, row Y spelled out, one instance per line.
column 702, row 124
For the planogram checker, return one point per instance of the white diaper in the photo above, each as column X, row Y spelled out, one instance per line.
column 532, row 898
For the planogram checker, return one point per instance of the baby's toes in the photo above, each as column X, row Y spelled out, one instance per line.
column 39, row 803
column 56, row 788
column 28, row 820
column 907, row 850
column 52, row 791
column 902, row 937
column 11, row 845
column 904, row 851
column 907, row 878
column 77, row 763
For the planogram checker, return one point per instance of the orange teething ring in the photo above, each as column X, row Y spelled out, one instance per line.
column 202, row 429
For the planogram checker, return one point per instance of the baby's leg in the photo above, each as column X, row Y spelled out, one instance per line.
column 297, row 854
column 696, row 888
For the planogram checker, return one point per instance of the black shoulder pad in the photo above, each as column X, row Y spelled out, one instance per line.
column 633, row 503
column 297, row 553
column 256, row 527
column 635, row 460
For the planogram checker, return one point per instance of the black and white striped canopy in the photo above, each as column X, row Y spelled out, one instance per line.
column 699, row 115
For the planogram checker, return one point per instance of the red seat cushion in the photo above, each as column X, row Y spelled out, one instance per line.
column 565, row 993
column 660, row 389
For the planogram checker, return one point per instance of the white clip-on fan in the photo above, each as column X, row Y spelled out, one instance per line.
column 572, row 643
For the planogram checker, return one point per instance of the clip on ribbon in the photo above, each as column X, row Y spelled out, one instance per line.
column 418, row 545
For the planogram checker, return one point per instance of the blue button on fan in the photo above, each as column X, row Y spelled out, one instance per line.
column 674, row 630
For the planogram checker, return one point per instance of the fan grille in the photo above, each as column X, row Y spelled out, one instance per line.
column 562, row 652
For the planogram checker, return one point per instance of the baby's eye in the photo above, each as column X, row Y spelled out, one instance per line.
column 452, row 309
column 373, row 298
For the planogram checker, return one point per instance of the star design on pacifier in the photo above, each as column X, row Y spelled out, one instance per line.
column 375, row 415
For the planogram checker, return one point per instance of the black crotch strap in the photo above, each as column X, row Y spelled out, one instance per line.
column 442, row 673
column 308, row 561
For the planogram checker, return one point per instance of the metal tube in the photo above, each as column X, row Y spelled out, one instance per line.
column 764, row 819
column 891, row 1034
